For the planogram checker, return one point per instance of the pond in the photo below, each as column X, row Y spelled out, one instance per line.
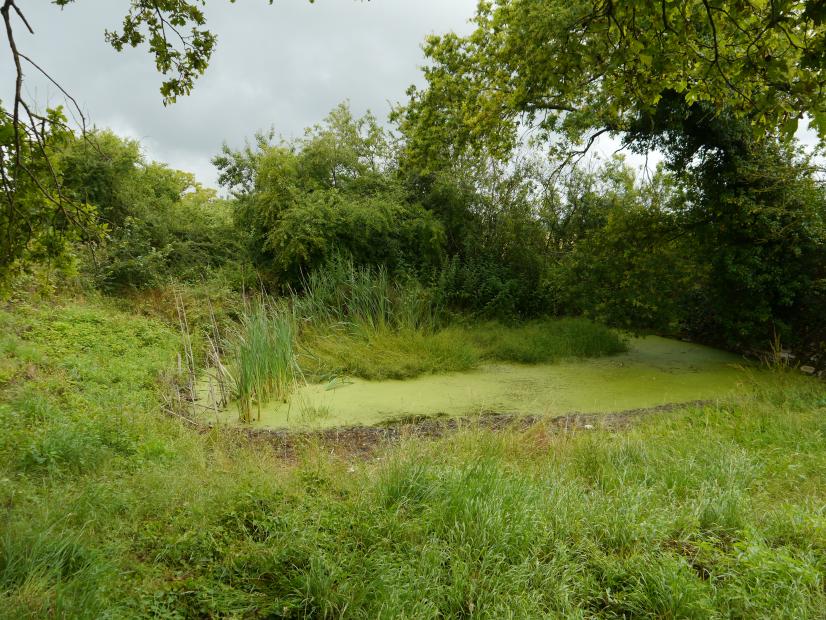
column 654, row 371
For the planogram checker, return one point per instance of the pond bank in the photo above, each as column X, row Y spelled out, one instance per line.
column 362, row 441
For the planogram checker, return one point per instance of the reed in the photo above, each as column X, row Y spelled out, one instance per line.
column 365, row 300
column 263, row 365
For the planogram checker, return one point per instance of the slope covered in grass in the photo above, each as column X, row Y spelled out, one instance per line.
column 108, row 508
column 404, row 354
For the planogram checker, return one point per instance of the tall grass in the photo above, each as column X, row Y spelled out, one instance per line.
column 361, row 321
column 712, row 512
column 263, row 363
column 365, row 299
column 543, row 341
column 50, row 573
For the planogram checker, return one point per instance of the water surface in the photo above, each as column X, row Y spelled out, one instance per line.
column 655, row 371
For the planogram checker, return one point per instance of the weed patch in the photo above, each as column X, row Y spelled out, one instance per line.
column 707, row 511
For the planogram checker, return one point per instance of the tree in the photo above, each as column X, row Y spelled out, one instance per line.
column 177, row 38
column 579, row 68
column 34, row 223
column 719, row 86
column 154, row 222
column 620, row 260
column 758, row 217
column 755, row 212
column 333, row 191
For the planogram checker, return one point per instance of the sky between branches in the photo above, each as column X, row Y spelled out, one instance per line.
column 283, row 66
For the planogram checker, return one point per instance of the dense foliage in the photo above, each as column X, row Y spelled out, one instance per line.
column 35, row 226
column 334, row 192
column 725, row 242
column 159, row 223
column 574, row 69
column 122, row 221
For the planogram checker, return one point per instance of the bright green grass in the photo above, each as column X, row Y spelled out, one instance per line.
column 110, row 509
column 329, row 351
column 541, row 341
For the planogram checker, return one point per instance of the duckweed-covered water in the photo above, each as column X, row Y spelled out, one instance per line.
column 655, row 371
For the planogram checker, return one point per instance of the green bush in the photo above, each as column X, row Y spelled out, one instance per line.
column 158, row 223
column 764, row 248
column 630, row 273
column 333, row 192
column 377, row 230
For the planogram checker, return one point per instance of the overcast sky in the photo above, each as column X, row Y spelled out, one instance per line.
column 283, row 66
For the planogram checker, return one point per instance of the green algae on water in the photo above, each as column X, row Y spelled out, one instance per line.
column 654, row 371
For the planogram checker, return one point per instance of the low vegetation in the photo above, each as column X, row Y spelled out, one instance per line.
column 110, row 509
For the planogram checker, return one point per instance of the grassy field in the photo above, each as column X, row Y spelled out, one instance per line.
column 111, row 509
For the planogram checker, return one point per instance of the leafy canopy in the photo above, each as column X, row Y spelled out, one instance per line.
column 176, row 33
column 578, row 68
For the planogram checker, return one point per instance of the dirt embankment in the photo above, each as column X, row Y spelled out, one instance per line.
column 362, row 441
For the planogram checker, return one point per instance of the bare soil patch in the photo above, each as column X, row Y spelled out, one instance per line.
column 363, row 441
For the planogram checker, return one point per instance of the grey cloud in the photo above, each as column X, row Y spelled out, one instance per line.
column 284, row 66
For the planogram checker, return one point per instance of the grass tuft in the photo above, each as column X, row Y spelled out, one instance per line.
column 263, row 360
column 365, row 299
